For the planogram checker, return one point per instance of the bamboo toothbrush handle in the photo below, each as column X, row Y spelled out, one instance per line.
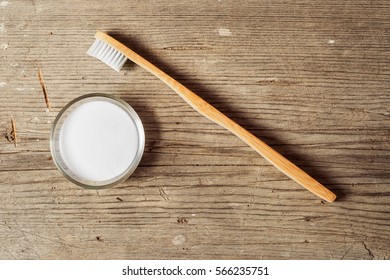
column 210, row 112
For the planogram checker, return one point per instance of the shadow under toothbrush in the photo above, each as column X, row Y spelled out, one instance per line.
column 269, row 136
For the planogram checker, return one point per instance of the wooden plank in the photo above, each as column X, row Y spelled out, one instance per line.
column 310, row 78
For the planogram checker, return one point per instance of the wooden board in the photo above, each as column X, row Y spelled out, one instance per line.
column 310, row 78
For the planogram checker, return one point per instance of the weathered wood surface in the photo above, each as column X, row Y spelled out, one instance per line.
column 310, row 78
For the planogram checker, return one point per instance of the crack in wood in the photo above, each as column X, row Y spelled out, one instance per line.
column 187, row 48
column 368, row 250
column 44, row 89
column 164, row 194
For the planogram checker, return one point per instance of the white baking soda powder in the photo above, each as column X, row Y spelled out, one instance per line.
column 98, row 141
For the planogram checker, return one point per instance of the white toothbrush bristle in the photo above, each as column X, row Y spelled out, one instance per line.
column 109, row 55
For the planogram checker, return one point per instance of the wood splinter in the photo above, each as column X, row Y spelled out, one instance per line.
column 13, row 132
column 44, row 90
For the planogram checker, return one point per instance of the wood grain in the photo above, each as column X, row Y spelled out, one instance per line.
column 310, row 78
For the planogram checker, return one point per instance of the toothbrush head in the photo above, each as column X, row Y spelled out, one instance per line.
column 107, row 53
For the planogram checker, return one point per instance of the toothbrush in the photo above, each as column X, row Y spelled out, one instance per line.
column 115, row 54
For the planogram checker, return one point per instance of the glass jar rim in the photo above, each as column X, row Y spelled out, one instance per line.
column 141, row 140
